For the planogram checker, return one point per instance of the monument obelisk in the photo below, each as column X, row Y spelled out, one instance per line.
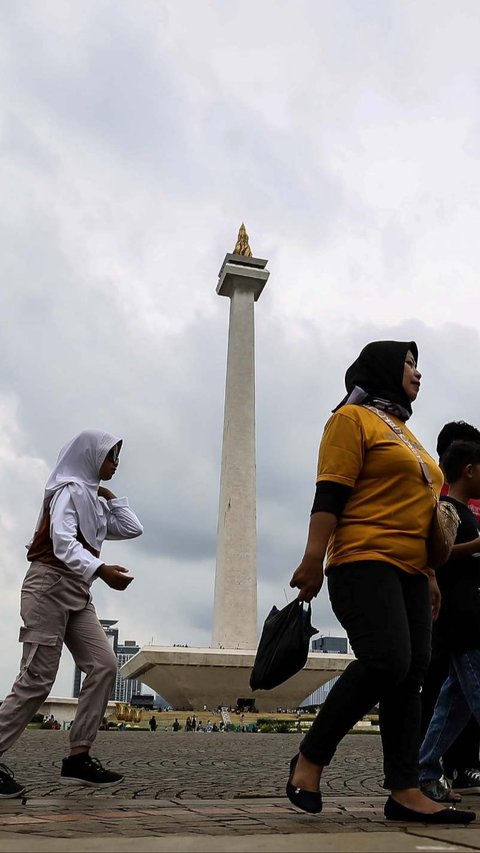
column 191, row 677
column 242, row 279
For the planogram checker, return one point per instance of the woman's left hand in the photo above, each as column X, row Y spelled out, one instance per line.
column 436, row 596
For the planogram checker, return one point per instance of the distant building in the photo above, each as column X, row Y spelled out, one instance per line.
column 124, row 688
column 142, row 700
column 334, row 645
column 159, row 703
column 318, row 697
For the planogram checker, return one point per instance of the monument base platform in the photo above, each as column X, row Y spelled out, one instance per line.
column 189, row 678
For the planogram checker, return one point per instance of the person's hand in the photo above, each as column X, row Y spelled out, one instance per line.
column 115, row 576
column 105, row 493
column 436, row 596
column 308, row 578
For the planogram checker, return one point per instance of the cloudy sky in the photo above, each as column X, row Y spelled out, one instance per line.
column 135, row 138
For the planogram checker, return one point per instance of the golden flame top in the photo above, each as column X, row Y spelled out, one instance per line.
column 242, row 246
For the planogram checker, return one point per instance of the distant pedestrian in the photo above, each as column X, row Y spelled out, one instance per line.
column 459, row 621
column 461, row 762
column 76, row 516
column 152, row 723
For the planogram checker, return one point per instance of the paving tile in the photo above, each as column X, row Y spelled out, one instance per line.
column 227, row 788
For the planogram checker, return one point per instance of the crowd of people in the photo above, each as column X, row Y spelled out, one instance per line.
column 370, row 524
column 414, row 631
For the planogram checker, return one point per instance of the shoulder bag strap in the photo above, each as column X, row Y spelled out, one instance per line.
column 399, row 431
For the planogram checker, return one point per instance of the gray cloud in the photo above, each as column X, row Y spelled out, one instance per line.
column 135, row 139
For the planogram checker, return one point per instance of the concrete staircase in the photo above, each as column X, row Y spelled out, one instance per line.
column 225, row 717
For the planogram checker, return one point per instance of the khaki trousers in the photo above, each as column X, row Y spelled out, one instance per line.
column 56, row 608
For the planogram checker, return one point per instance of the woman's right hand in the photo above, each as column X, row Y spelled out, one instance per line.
column 308, row 577
column 115, row 576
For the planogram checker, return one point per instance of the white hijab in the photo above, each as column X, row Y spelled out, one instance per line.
column 77, row 469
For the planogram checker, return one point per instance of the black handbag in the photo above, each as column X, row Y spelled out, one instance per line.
column 284, row 644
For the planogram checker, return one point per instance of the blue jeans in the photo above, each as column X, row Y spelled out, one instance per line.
column 459, row 698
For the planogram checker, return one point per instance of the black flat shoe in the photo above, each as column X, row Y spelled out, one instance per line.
column 308, row 801
column 395, row 811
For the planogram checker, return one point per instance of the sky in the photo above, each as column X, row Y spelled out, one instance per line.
column 135, row 138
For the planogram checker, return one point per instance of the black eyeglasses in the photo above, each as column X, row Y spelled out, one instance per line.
column 113, row 454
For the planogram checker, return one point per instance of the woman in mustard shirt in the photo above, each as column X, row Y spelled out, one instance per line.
column 369, row 525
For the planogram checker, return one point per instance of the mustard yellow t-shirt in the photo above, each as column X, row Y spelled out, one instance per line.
column 388, row 514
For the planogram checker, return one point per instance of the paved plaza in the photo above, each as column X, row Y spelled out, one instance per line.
column 190, row 791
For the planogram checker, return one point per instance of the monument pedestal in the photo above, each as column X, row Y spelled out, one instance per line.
column 189, row 678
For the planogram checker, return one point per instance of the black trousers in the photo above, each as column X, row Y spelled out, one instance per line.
column 387, row 615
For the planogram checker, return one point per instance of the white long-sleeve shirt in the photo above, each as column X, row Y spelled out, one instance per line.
column 122, row 523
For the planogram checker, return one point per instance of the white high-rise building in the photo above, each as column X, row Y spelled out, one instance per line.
column 125, row 688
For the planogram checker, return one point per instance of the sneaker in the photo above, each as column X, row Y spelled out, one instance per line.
column 84, row 770
column 440, row 790
column 8, row 787
column 467, row 781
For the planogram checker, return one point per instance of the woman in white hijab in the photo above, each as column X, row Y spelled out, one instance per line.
column 76, row 516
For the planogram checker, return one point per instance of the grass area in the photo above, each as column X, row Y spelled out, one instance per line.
column 266, row 722
column 165, row 719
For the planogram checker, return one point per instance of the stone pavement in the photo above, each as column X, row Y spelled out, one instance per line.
column 199, row 792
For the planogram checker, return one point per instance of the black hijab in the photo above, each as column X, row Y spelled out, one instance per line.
column 378, row 373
